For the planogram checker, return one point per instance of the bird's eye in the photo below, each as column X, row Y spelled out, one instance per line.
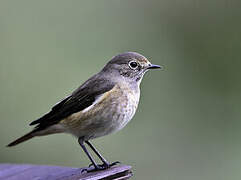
column 133, row 64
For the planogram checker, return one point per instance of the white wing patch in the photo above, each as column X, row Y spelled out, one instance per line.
column 97, row 100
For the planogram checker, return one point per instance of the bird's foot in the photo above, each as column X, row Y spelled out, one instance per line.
column 99, row 167
column 93, row 168
column 114, row 163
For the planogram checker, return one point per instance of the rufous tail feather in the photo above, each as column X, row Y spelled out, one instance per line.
column 21, row 139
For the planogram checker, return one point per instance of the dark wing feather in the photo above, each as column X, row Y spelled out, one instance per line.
column 80, row 99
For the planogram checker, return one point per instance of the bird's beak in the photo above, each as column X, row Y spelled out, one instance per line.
column 153, row 66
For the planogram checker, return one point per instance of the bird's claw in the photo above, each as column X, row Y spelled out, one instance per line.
column 113, row 164
column 99, row 167
column 93, row 168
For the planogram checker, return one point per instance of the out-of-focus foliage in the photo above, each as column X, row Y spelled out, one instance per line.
column 188, row 123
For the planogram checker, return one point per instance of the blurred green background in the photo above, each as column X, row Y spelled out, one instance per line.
column 188, row 122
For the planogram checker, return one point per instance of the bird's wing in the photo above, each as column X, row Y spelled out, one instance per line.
column 81, row 98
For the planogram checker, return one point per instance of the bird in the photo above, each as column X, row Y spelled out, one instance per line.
column 102, row 105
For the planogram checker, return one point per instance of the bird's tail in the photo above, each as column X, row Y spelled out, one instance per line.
column 22, row 139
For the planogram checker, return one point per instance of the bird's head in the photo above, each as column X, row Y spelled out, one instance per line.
column 130, row 65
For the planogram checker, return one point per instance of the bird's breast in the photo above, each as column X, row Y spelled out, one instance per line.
column 123, row 106
column 113, row 110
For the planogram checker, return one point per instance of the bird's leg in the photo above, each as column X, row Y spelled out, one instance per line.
column 106, row 164
column 97, row 153
column 97, row 167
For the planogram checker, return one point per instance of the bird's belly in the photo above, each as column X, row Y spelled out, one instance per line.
column 108, row 116
column 112, row 119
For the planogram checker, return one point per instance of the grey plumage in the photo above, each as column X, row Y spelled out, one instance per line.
column 80, row 99
column 105, row 103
